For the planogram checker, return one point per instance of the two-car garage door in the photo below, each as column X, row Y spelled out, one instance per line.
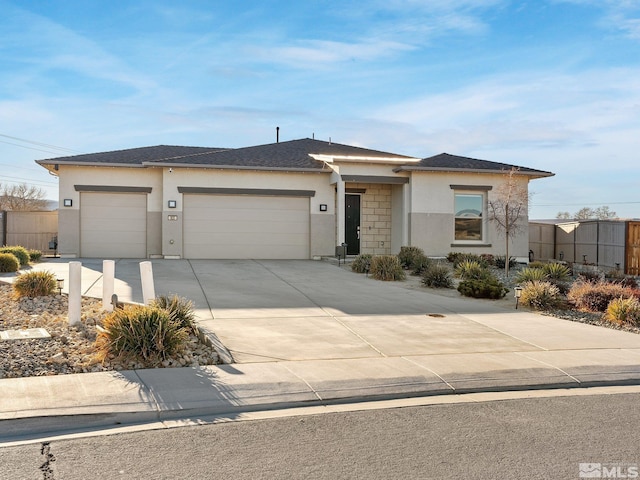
column 245, row 226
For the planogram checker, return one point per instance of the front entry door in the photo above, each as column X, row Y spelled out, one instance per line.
column 352, row 223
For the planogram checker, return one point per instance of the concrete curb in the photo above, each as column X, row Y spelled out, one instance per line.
column 165, row 395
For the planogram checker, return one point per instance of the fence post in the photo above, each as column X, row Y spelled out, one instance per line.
column 75, row 292
column 108, row 280
column 146, row 276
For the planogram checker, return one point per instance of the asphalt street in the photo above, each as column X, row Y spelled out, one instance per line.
column 524, row 438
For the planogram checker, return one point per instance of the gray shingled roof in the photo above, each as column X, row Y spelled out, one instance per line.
column 293, row 154
column 132, row 156
column 446, row 161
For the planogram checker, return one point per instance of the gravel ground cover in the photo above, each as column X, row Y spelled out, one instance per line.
column 70, row 349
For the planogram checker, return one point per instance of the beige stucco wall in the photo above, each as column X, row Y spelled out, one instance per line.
column 69, row 217
column 322, row 231
column 432, row 215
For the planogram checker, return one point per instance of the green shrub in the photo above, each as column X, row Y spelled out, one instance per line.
column 437, row 276
column 529, row 274
column 489, row 258
column 488, row 287
column 34, row 284
column 536, row 264
column 595, row 297
column 407, row 255
column 624, row 310
column 9, row 263
column 452, row 257
column 20, row 253
column 141, row 333
column 387, row 267
column 501, row 260
column 540, row 295
column 34, row 255
column 361, row 263
column 470, row 270
column 180, row 309
column 419, row 264
column 470, row 257
column 591, row 276
column 556, row 271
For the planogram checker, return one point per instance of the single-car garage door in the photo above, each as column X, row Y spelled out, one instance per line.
column 113, row 225
column 246, row 226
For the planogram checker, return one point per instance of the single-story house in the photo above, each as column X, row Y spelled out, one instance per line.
column 287, row 200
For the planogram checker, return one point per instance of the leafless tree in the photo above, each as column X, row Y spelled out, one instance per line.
column 22, row 197
column 508, row 207
column 586, row 213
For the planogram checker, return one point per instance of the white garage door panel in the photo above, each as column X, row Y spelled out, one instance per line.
column 218, row 226
column 113, row 225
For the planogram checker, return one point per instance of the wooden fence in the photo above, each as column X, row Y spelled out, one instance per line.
column 32, row 230
column 605, row 243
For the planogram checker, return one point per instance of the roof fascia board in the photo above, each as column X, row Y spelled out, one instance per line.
column 361, row 159
column 90, row 164
column 236, row 167
column 537, row 174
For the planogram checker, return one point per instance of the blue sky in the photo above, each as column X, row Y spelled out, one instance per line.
column 553, row 85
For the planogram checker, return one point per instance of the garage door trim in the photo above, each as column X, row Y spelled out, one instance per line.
column 111, row 188
column 266, row 192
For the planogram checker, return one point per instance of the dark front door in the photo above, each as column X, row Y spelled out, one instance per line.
column 352, row 223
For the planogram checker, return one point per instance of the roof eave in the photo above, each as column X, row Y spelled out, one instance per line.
column 410, row 168
column 238, row 167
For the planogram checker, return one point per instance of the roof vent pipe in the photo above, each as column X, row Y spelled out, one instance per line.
column 277, row 134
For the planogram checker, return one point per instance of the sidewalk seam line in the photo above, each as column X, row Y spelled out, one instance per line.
column 550, row 365
column 303, row 380
column 429, row 370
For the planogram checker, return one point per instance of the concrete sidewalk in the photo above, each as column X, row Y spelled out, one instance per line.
column 300, row 341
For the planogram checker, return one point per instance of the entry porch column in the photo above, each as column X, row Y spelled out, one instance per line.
column 340, row 192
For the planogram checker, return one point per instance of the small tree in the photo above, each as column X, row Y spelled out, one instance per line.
column 22, row 197
column 509, row 205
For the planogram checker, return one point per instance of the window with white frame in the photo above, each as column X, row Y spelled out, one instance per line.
column 469, row 209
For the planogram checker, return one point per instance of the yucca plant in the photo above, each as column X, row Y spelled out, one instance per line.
column 141, row 333
column 471, row 270
column 540, row 295
column 180, row 309
column 556, row 271
column 531, row 275
column 624, row 310
column 9, row 263
column 387, row 267
column 34, row 284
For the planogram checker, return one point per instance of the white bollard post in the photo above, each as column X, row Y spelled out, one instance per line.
column 146, row 276
column 75, row 292
column 108, row 280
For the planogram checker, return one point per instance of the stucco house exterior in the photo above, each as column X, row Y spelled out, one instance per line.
column 287, row 200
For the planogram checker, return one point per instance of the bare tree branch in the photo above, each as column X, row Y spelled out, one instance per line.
column 22, row 197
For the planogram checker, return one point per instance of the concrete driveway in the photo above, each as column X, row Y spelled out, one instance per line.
column 268, row 310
